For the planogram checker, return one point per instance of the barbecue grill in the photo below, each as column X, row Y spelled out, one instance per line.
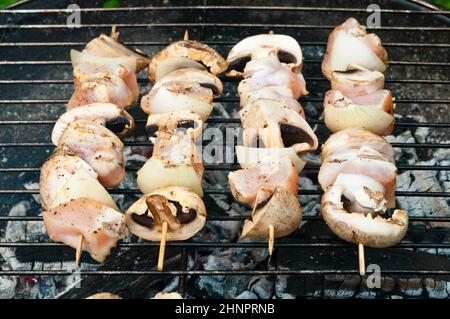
column 35, row 84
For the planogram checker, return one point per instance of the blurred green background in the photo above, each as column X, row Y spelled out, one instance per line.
column 116, row 3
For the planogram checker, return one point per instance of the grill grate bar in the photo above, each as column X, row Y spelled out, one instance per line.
column 230, row 8
column 206, row 244
column 228, row 218
column 218, row 120
column 218, row 25
column 312, row 79
column 145, row 143
column 162, row 43
column 232, row 167
column 228, row 192
column 215, row 272
column 40, row 62
column 61, row 101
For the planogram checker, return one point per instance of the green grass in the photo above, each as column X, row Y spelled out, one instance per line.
column 443, row 3
column 6, row 3
column 111, row 4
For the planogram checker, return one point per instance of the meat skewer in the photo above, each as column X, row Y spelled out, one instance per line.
column 184, row 85
column 89, row 156
column 358, row 170
column 275, row 133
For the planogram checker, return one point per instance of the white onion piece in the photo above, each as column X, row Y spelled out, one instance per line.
column 348, row 49
column 83, row 185
column 247, row 156
column 366, row 116
column 78, row 57
column 170, row 64
column 164, row 101
column 156, row 174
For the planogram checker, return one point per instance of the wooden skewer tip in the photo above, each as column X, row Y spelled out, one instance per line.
column 79, row 249
column 271, row 239
column 186, row 35
column 162, row 246
column 362, row 262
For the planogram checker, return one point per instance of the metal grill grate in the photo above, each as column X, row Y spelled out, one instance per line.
column 35, row 77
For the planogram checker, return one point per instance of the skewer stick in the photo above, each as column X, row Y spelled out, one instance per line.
column 271, row 239
column 362, row 262
column 79, row 249
column 113, row 30
column 271, row 32
column 162, row 246
column 186, row 35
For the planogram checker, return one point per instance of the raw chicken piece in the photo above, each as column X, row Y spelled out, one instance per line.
column 99, row 147
column 353, row 139
column 356, row 81
column 104, row 80
column 100, row 225
column 270, row 72
column 270, row 173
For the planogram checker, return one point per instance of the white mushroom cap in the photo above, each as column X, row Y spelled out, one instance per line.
column 185, row 54
column 358, row 227
column 192, row 75
column 109, row 115
column 276, row 125
column 186, row 214
column 284, row 47
column 281, row 209
column 177, row 121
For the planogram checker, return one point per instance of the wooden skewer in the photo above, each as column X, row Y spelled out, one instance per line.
column 113, row 30
column 362, row 262
column 271, row 239
column 162, row 246
column 271, row 32
column 79, row 249
column 186, row 35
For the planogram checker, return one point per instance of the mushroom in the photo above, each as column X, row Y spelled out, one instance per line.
column 359, row 227
column 349, row 44
column 279, row 208
column 274, row 124
column 100, row 226
column 99, row 147
column 354, row 138
column 56, row 172
column 168, row 295
column 269, row 72
column 178, row 96
column 104, row 295
column 267, row 173
column 174, row 162
column 364, row 161
column 374, row 112
column 181, row 208
column 357, row 81
column 106, row 46
column 191, row 75
column 109, row 115
column 103, row 80
column 184, row 121
column 279, row 93
column 185, row 54
column 285, row 48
